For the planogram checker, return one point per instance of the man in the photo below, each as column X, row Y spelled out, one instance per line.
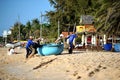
column 60, row 39
column 71, row 40
column 37, row 44
column 29, row 47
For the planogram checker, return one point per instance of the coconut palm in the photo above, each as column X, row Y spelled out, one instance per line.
column 108, row 17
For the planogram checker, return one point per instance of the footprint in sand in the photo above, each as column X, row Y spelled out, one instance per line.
column 99, row 66
column 96, row 70
column 79, row 77
column 90, row 74
column 76, row 74
column 67, row 71
column 104, row 67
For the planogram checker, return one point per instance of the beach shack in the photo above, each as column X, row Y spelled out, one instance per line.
column 87, row 31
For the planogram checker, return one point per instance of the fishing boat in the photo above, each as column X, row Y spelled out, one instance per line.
column 50, row 49
column 13, row 44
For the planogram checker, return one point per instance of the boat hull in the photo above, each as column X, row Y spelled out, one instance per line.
column 50, row 49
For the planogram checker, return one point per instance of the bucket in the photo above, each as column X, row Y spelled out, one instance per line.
column 108, row 46
column 117, row 47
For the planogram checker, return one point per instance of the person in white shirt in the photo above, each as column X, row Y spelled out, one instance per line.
column 60, row 39
column 11, row 51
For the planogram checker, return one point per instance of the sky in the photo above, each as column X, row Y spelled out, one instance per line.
column 12, row 11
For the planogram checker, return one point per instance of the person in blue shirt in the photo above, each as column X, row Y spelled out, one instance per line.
column 71, row 39
column 29, row 46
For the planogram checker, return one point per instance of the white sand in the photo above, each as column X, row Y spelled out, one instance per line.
column 81, row 65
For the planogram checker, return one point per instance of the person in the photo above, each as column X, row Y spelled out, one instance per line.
column 37, row 44
column 71, row 38
column 11, row 51
column 29, row 47
column 59, row 39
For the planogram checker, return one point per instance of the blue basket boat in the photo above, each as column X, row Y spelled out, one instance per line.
column 117, row 47
column 50, row 49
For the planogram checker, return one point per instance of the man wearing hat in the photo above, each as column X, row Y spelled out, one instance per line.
column 60, row 39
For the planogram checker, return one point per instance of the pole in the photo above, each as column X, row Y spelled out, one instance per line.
column 58, row 28
column 74, row 27
column 5, row 39
column 5, row 36
column 41, row 25
column 69, row 29
column 19, row 27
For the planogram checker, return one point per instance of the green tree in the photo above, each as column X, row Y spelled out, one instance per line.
column 35, row 28
column 107, row 17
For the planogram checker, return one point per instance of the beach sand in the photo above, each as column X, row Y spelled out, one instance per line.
column 82, row 65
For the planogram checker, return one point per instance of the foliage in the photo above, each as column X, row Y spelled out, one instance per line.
column 106, row 18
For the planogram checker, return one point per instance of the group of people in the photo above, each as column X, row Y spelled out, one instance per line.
column 31, row 46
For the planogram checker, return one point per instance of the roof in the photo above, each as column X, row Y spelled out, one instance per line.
column 66, row 33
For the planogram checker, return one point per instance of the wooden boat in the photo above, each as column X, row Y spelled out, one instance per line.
column 50, row 49
column 13, row 44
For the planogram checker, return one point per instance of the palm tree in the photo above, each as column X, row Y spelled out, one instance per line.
column 108, row 17
column 28, row 29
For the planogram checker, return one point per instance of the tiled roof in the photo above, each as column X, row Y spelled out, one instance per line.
column 66, row 33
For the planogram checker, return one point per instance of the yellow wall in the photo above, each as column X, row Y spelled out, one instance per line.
column 88, row 28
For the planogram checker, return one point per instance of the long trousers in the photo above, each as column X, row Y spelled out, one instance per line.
column 70, row 49
column 29, row 51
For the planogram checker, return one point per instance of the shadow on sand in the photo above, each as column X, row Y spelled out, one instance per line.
column 43, row 64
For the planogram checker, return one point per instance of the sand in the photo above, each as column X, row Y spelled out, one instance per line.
column 82, row 65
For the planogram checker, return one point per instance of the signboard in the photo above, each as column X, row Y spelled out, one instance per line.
column 86, row 28
column 80, row 29
column 86, row 19
column 90, row 28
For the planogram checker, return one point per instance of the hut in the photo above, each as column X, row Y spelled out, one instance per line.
column 87, row 31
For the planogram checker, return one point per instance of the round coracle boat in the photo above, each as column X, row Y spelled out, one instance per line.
column 50, row 49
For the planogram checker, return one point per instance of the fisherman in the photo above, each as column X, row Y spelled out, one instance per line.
column 29, row 47
column 37, row 44
column 71, row 38
column 60, row 39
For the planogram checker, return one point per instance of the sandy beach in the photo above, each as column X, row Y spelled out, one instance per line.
column 82, row 65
